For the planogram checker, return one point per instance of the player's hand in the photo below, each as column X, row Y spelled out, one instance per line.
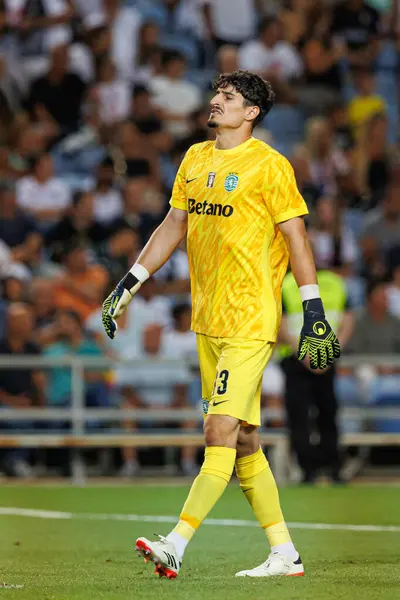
column 317, row 340
column 116, row 303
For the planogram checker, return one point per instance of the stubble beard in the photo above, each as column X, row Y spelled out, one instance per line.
column 212, row 123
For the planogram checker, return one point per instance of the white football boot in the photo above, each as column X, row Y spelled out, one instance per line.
column 162, row 554
column 276, row 565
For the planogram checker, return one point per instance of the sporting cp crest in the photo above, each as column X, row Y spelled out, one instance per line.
column 231, row 182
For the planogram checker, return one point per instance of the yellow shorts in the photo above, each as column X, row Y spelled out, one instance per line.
column 231, row 376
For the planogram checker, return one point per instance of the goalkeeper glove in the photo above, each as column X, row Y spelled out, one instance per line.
column 317, row 338
column 114, row 306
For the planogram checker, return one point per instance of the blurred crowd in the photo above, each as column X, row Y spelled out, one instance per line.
column 100, row 99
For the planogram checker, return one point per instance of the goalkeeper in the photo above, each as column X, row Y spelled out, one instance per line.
column 237, row 201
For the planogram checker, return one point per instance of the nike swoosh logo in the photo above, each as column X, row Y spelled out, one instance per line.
column 190, row 180
column 217, row 403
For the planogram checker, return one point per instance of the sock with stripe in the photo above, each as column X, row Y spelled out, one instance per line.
column 207, row 488
column 258, row 485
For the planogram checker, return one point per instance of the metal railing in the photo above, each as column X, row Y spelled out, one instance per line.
column 77, row 415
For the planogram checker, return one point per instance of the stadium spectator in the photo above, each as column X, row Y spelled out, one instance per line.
column 42, row 300
column 227, row 59
column 393, row 293
column 173, row 277
column 302, row 18
column 124, row 22
column 107, row 198
column 17, row 229
column 111, row 93
column 156, row 386
column 311, row 401
column 372, row 160
column 21, row 387
column 34, row 28
column 142, row 108
column 133, row 154
column 148, row 53
column 223, row 25
column 319, row 160
column 78, row 224
column 41, row 194
column 343, row 136
column 180, row 342
column 81, row 286
column 15, row 284
column 381, row 234
column 57, row 96
column 366, row 103
column 155, row 303
column 333, row 242
column 119, row 251
column 357, row 24
column 136, row 213
column 272, row 58
column 74, row 341
column 175, row 97
column 376, row 331
column 322, row 80
column 26, row 141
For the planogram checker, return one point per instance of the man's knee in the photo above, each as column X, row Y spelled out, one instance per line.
column 248, row 441
column 221, row 430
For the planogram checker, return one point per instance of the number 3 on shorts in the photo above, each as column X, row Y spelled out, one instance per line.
column 221, row 377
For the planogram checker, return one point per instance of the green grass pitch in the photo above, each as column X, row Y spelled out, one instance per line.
column 91, row 559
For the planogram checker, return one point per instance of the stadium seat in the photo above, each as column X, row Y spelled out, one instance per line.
column 286, row 125
column 386, row 392
column 201, row 77
column 348, row 394
column 150, row 10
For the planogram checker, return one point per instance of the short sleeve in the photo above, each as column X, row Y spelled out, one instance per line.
column 178, row 197
column 280, row 192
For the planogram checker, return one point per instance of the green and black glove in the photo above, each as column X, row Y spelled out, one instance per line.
column 317, row 338
column 117, row 302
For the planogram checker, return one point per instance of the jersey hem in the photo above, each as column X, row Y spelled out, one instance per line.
column 290, row 214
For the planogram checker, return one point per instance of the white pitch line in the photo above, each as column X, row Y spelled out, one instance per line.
column 53, row 514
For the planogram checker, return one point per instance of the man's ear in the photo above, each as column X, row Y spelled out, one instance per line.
column 252, row 113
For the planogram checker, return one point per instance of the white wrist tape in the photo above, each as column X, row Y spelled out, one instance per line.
column 140, row 272
column 309, row 292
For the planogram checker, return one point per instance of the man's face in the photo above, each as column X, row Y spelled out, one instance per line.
column 228, row 109
column 175, row 69
column 76, row 261
column 20, row 321
column 135, row 189
column 392, row 201
column 85, row 208
column 105, row 175
column 378, row 299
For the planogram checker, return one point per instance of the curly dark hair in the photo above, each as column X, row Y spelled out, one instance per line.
column 254, row 89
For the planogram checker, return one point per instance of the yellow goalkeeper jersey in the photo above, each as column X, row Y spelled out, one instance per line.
column 237, row 256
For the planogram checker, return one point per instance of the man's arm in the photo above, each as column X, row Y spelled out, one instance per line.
column 317, row 340
column 301, row 257
column 154, row 255
column 164, row 240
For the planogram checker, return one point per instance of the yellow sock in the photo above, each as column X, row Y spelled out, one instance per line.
column 258, row 485
column 207, row 488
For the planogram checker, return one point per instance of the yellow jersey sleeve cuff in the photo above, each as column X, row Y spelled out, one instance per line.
column 291, row 214
column 178, row 204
